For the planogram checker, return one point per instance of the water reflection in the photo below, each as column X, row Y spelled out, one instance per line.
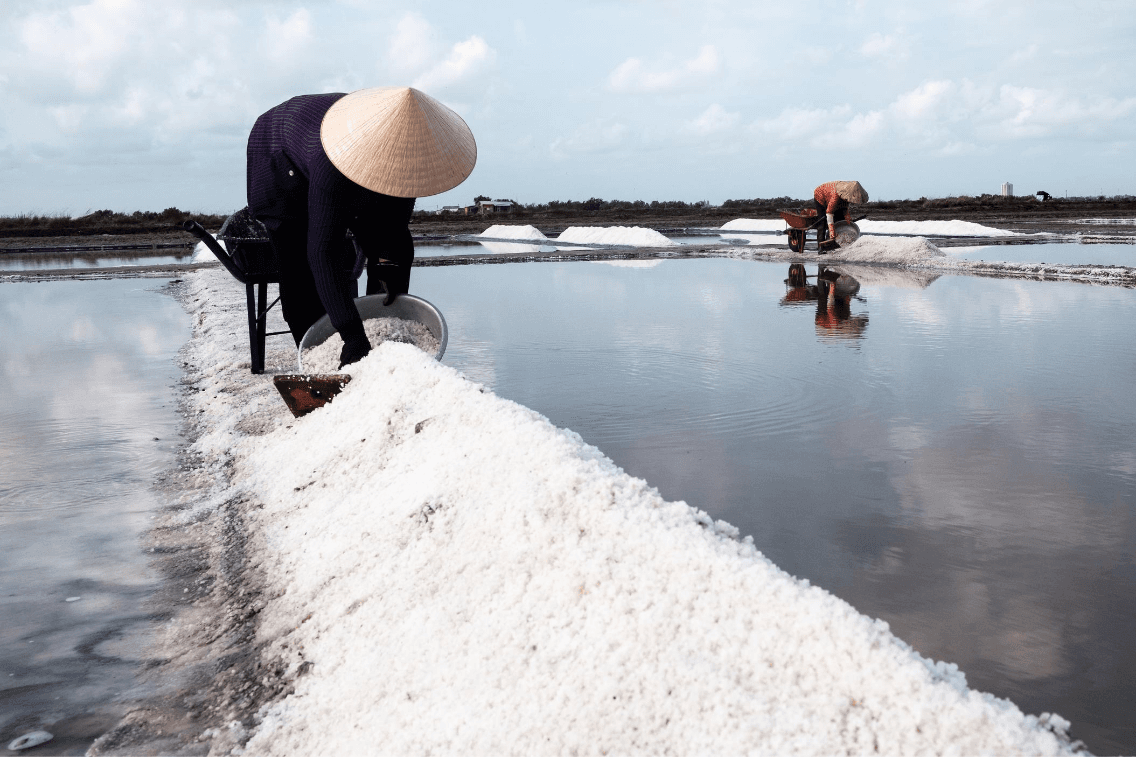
column 87, row 422
column 832, row 293
column 47, row 261
column 966, row 474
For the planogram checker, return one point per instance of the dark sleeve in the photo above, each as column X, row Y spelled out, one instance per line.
column 383, row 233
column 383, row 230
column 331, row 268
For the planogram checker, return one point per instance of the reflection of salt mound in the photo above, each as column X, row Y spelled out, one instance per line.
column 632, row 236
column 202, row 254
column 630, row 263
column 504, row 231
column 869, row 249
column 889, row 277
column 944, row 228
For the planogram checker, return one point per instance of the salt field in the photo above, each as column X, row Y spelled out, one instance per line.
column 680, row 504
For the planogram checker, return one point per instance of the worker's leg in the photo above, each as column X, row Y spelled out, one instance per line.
column 822, row 226
column 299, row 299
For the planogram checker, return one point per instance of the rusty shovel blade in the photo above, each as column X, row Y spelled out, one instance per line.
column 304, row 393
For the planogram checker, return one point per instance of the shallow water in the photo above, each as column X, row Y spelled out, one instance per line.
column 88, row 421
column 950, row 454
column 1058, row 253
column 48, row 261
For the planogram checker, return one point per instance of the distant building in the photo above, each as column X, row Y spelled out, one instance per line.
column 1007, row 189
column 450, row 209
column 495, row 206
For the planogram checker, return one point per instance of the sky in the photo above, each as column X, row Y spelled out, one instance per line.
column 147, row 104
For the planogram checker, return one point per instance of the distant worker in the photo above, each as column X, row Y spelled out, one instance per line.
column 320, row 165
column 832, row 199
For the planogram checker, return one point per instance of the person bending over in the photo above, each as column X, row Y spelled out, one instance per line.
column 832, row 200
column 320, row 165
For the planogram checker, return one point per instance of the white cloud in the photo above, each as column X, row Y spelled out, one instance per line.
column 285, row 40
column 713, row 120
column 923, row 101
column 951, row 118
column 594, row 137
column 413, row 47
column 634, row 76
column 85, row 43
column 884, row 46
column 416, row 53
column 800, row 123
column 465, row 59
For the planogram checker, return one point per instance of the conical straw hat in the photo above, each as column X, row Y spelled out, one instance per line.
column 398, row 141
column 851, row 191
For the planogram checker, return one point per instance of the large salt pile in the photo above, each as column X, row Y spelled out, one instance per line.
column 631, row 236
column 450, row 573
column 899, row 250
column 202, row 253
column 940, row 228
column 753, row 224
column 738, row 226
column 733, row 230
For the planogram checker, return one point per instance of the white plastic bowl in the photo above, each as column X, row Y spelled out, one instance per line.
column 405, row 306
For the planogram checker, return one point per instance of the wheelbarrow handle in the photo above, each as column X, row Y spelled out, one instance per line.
column 197, row 230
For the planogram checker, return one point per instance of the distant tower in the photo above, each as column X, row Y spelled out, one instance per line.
column 1007, row 189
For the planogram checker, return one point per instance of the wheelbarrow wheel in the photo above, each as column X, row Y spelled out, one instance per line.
column 796, row 240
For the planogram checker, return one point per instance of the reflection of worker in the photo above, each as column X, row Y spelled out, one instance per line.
column 798, row 286
column 832, row 200
column 834, row 306
column 319, row 165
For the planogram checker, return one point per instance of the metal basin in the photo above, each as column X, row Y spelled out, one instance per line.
column 846, row 233
column 406, row 306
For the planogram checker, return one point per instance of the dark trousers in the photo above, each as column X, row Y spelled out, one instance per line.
column 299, row 300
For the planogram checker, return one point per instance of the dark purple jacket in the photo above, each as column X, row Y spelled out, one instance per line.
column 291, row 183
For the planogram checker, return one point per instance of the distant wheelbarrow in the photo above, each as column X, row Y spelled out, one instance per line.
column 802, row 221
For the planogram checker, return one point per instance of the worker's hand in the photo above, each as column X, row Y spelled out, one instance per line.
column 831, row 231
column 355, row 348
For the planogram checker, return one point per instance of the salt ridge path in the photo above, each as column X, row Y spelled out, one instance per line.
column 449, row 572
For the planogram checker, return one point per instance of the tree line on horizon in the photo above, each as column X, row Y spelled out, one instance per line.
column 141, row 221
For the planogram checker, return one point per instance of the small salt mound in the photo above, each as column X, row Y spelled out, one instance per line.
column 504, row 231
column 943, row 228
column 904, row 250
column 633, row 236
column 324, row 358
column 202, row 254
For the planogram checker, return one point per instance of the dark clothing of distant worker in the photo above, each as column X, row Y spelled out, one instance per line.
column 307, row 205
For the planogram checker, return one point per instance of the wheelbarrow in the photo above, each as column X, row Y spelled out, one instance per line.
column 247, row 255
column 802, row 221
